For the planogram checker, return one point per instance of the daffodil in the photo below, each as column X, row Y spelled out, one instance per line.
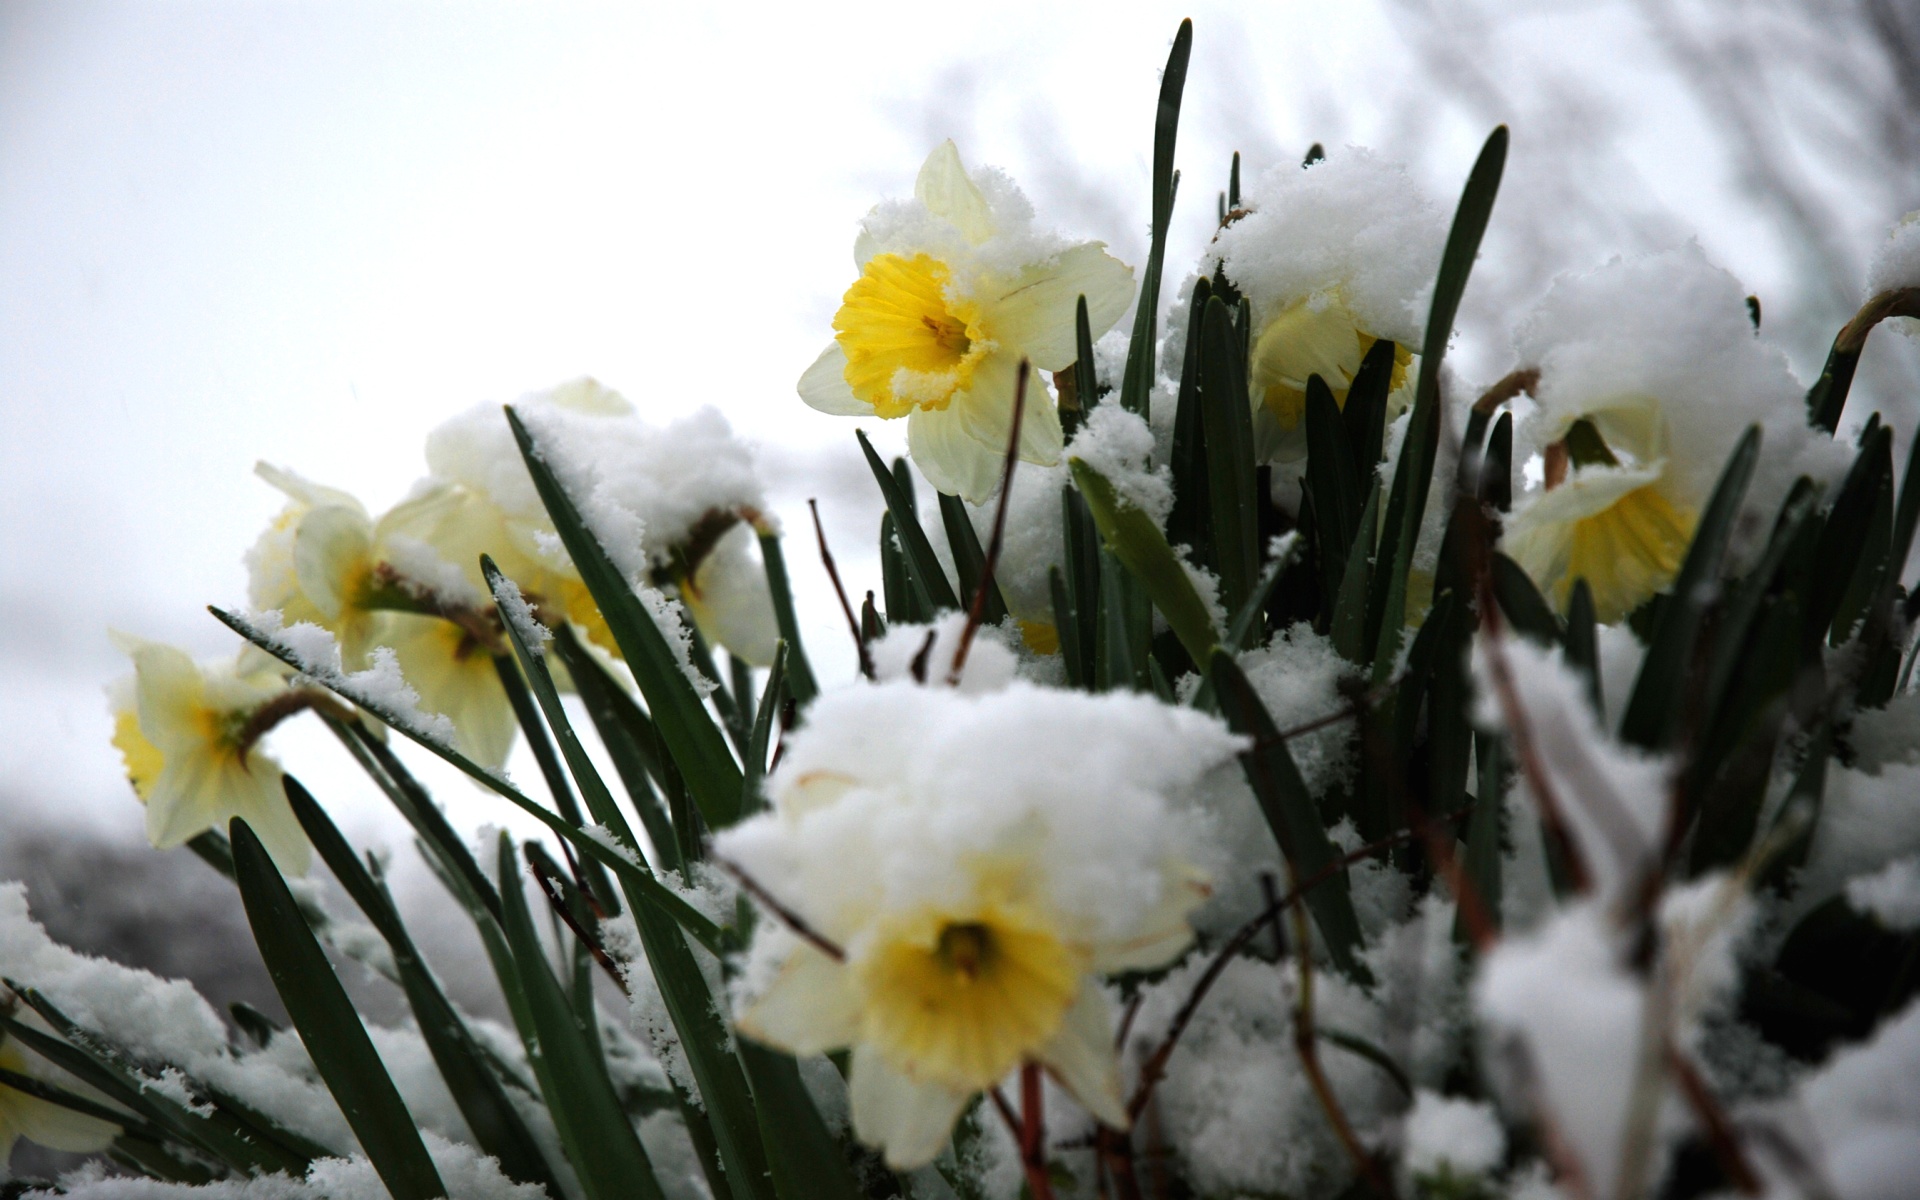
column 1650, row 370
column 955, row 289
column 1332, row 258
column 1016, row 845
column 189, row 734
column 42, row 1122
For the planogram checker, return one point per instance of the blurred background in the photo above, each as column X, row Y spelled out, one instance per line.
column 308, row 233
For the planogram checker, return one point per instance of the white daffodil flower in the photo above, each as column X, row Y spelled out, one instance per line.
column 1014, row 846
column 1331, row 258
column 189, row 735
column 955, row 289
column 728, row 598
column 43, row 1122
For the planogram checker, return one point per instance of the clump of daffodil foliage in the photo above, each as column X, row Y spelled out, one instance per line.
column 1279, row 766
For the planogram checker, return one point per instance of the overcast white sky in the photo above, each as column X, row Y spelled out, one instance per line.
column 309, row 232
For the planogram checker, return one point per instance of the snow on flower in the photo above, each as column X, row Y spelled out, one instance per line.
column 1650, row 371
column 955, row 288
column 1332, row 258
column 1014, row 846
column 188, row 733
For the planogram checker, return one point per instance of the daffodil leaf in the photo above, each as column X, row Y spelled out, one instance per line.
column 601, row 1143
column 1117, row 667
column 626, row 735
column 1291, row 814
column 1066, row 620
column 40, row 1089
column 1859, row 546
column 1081, row 538
column 1525, row 607
column 1350, row 605
column 1407, row 503
column 1653, row 710
column 1449, row 703
column 1227, row 422
column 623, row 866
column 922, row 564
column 550, row 769
column 1481, row 863
column 1188, row 525
column 801, row 684
column 1365, row 413
column 1142, row 549
column 698, row 747
column 324, row 1017
column 1333, row 484
column 476, row 1089
column 1728, row 772
column 760, row 741
column 1137, row 386
column 1795, row 536
column 1583, row 643
column 1496, row 467
column 905, row 605
column 969, row 560
column 802, row 1156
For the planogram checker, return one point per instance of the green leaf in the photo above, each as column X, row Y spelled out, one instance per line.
column 1142, row 549
column 1365, row 414
column 905, row 603
column 969, row 560
column 1449, row 703
column 628, row 738
column 1081, row 539
column 1522, row 602
column 1136, row 387
column 528, row 717
column 1227, row 424
column 476, row 1089
column 1066, row 620
column 1291, row 814
column 1187, row 524
column 760, row 740
column 802, row 1155
column 600, row 1141
column 1350, row 605
column 1655, row 706
column 1333, row 483
column 1482, row 860
column 800, row 679
column 326, row 1021
column 698, row 746
column 1583, row 644
column 1728, row 773
column 1794, row 532
column 1407, row 504
column 1865, row 547
column 922, row 564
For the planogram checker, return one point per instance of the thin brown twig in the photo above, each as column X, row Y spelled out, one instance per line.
column 554, row 897
column 1713, row 1119
column 833, row 573
column 977, row 611
column 1154, row 1068
column 286, row 704
column 791, row 919
column 1033, row 1132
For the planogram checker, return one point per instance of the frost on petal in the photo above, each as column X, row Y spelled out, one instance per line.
column 907, row 1120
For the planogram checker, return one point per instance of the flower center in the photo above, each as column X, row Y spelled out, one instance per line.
column 961, row 1002
column 907, row 345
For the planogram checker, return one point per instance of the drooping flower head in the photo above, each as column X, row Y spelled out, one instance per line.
column 1650, row 371
column 189, row 735
column 955, row 288
column 1011, row 847
column 1332, row 258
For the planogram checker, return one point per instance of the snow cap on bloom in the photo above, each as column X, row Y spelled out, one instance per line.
column 1331, row 258
column 955, row 288
column 1013, row 846
column 671, row 504
column 929, row 649
column 1650, row 371
column 188, row 734
column 1896, row 264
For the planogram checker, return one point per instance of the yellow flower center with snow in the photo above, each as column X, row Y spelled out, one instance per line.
column 908, row 345
column 1626, row 552
column 960, row 1001
column 1304, row 341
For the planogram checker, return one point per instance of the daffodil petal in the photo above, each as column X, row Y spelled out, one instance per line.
column 456, row 680
column 1163, row 933
column 265, row 809
column 953, row 460
column 330, row 555
column 908, row 1121
column 47, row 1124
column 1082, row 1058
column 824, row 385
column 302, row 490
column 730, row 601
column 943, row 186
column 1035, row 309
column 811, row 1006
column 986, row 411
column 185, row 799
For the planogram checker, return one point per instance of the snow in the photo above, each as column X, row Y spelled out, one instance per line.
column 1891, row 894
column 991, row 664
column 1352, row 225
column 380, row 689
column 648, row 1007
column 1896, row 263
column 920, row 784
column 518, row 614
column 1118, row 445
column 1463, row 1137
column 1864, row 1107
